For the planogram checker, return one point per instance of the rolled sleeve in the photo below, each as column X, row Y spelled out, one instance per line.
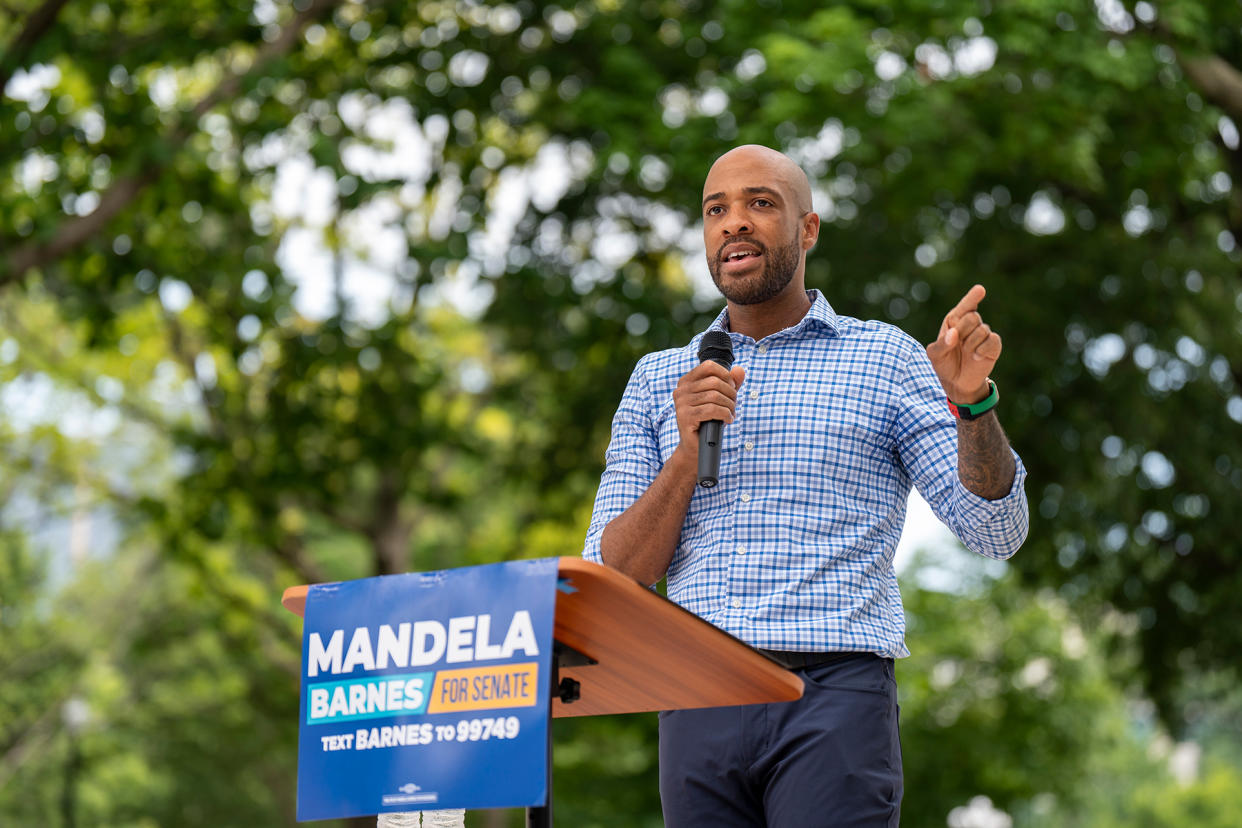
column 995, row 528
column 631, row 461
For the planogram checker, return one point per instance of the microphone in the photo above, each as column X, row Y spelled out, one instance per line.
column 717, row 347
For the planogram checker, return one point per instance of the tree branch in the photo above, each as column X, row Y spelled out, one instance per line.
column 29, row 740
column 180, row 349
column 332, row 510
column 388, row 533
column 37, row 25
column 73, row 232
column 1217, row 81
column 77, row 230
column 292, row 553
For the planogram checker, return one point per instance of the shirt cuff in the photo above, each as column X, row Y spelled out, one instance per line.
column 979, row 511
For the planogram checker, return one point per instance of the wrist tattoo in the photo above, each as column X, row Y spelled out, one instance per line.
column 984, row 462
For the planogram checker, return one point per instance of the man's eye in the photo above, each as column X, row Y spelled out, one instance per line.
column 762, row 202
column 714, row 210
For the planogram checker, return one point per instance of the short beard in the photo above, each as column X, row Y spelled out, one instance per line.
column 779, row 266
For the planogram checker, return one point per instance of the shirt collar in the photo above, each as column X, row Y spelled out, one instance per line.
column 820, row 315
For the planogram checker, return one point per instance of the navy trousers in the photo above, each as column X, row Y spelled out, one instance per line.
column 831, row 759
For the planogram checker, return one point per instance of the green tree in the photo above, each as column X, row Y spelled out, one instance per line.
column 1005, row 696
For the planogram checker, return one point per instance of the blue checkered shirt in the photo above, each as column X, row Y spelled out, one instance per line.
column 793, row 549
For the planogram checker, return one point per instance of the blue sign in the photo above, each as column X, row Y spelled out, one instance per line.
column 427, row 691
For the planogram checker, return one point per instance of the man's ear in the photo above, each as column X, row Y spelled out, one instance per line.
column 810, row 230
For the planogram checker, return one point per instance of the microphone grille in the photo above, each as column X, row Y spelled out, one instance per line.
column 717, row 347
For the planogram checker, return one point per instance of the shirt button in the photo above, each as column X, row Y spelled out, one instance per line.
column 763, row 349
column 754, row 393
column 737, row 603
column 746, row 497
column 750, row 445
column 741, row 550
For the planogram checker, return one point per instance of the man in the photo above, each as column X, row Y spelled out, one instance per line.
column 828, row 423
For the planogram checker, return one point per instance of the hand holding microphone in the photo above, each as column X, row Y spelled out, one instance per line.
column 705, row 399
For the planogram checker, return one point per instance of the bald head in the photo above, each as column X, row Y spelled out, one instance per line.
column 764, row 162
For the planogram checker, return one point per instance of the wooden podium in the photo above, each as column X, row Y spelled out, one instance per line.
column 621, row 648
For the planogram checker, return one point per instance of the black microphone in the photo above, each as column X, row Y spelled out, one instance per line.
column 717, row 347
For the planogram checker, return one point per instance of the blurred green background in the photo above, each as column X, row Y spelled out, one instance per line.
column 317, row 290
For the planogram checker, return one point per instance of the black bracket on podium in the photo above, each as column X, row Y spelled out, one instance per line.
column 568, row 691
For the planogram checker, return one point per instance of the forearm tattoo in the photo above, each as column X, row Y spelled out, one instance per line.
column 984, row 461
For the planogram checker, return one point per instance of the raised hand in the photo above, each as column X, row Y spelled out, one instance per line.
column 965, row 350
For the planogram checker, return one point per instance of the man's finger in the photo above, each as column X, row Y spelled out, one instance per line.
column 703, row 413
column 943, row 344
column 972, row 341
column 712, row 385
column 968, row 303
column 708, row 368
column 710, row 396
column 967, row 324
column 990, row 348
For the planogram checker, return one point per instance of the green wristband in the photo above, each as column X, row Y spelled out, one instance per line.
column 971, row 411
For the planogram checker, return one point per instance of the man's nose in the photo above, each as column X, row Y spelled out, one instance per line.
column 737, row 224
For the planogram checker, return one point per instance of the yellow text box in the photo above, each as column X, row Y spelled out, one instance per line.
column 485, row 688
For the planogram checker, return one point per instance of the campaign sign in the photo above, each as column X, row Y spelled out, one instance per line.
column 427, row 691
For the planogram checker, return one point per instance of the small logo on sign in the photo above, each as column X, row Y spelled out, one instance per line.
column 411, row 794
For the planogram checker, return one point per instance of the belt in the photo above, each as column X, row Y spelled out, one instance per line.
column 797, row 661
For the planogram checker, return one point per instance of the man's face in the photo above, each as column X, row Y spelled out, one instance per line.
column 753, row 230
